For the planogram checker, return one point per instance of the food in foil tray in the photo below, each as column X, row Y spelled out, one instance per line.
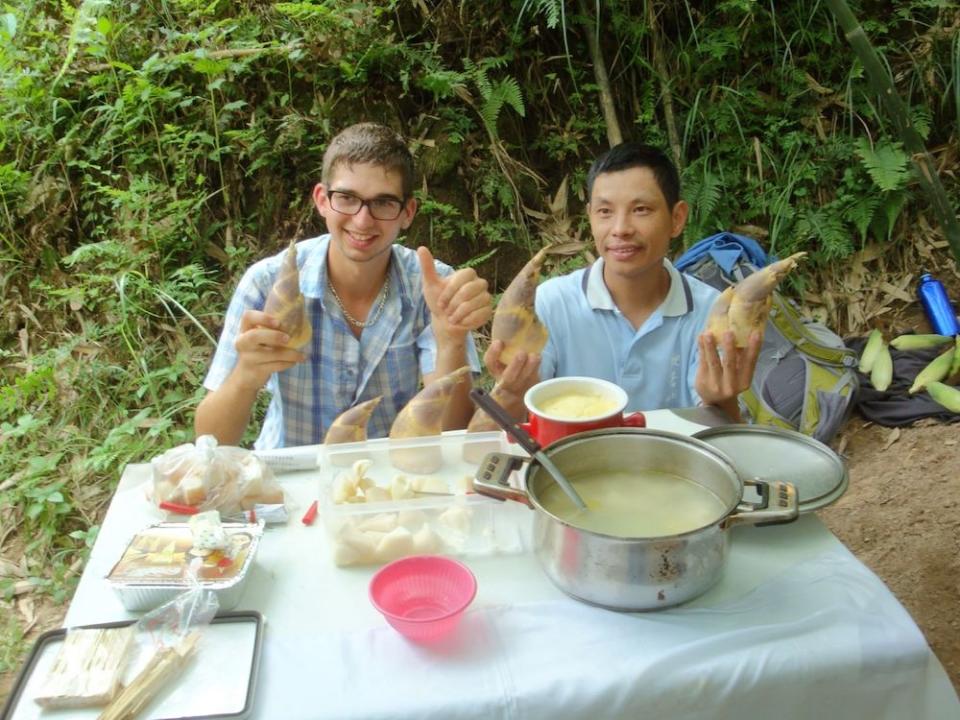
column 168, row 558
column 164, row 554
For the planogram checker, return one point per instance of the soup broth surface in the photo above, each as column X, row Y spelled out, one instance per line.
column 646, row 503
column 577, row 405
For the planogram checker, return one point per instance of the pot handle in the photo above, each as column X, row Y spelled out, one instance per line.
column 492, row 474
column 778, row 505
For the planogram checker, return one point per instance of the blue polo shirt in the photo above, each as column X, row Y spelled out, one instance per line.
column 656, row 364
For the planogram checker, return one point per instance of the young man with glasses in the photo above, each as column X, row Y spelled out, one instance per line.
column 383, row 315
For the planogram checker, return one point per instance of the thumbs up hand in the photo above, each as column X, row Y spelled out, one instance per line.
column 458, row 303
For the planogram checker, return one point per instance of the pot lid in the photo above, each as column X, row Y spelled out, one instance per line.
column 769, row 453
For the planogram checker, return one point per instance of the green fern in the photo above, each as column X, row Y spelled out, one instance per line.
column 825, row 228
column 885, row 219
column 81, row 30
column 862, row 211
column 703, row 192
column 305, row 11
column 921, row 117
column 494, row 93
column 885, row 162
column 552, row 10
column 443, row 83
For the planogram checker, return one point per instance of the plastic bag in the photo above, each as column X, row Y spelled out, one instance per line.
column 92, row 663
column 206, row 476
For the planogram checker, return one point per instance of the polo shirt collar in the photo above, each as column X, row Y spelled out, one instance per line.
column 679, row 300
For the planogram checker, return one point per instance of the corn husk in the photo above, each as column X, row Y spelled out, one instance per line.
column 881, row 374
column 945, row 395
column 870, row 350
column 955, row 363
column 935, row 371
column 919, row 342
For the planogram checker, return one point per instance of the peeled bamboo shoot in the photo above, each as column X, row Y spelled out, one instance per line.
column 881, row 374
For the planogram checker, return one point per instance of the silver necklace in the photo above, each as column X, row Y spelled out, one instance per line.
column 376, row 313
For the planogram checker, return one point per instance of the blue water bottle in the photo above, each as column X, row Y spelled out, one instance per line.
column 936, row 304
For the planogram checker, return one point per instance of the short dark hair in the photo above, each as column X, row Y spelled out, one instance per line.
column 632, row 154
column 370, row 143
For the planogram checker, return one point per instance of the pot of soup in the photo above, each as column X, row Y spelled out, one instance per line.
column 659, row 509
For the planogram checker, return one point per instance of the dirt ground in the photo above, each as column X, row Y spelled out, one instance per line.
column 900, row 516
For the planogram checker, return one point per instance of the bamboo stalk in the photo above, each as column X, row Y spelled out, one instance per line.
column 882, row 84
column 614, row 134
column 660, row 63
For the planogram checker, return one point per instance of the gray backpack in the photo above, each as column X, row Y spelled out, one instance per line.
column 806, row 376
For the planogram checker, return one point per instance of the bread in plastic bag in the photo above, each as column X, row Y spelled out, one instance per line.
column 211, row 477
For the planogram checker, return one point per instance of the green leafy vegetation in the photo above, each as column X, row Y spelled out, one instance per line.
column 150, row 151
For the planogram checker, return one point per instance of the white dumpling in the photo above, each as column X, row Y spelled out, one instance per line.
column 381, row 522
column 426, row 541
column 395, row 544
column 376, row 494
column 456, row 518
column 401, row 488
column 430, row 484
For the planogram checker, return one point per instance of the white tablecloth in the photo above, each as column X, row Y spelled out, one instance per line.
column 797, row 628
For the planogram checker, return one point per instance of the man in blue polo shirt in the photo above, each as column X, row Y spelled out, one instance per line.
column 631, row 317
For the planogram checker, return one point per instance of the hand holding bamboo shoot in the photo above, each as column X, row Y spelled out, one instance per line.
column 744, row 308
column 285, row 302
column 515, row 322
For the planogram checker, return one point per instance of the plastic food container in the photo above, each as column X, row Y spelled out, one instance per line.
column 154, row 566
column 376, row 506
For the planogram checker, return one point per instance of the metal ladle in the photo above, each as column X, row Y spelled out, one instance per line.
column 526, row 441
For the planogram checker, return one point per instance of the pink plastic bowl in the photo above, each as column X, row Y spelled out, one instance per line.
column 423, row 596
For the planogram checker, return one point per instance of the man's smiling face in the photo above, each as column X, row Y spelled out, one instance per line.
column 631, row 222
column 362, row 237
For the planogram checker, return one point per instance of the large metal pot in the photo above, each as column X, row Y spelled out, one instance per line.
column 642, row 573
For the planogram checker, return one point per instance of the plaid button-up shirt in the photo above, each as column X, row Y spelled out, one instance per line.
column 341, row 370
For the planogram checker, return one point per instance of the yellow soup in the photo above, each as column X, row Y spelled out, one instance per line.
column 646, row 503
column 576, row 406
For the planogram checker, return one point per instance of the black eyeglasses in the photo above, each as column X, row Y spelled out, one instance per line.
column 381, row 208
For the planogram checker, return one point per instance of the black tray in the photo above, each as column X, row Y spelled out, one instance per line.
column 10, row 708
